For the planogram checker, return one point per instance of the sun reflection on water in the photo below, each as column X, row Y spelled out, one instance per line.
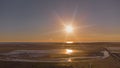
column 69, row 42
column 69, row 60
column 69, row 51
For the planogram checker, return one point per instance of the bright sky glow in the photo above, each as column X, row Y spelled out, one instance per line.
column 59, row 20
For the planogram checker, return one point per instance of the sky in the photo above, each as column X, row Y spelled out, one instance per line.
column 42, row 20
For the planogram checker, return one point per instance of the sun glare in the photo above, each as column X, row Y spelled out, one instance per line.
column 69, row 29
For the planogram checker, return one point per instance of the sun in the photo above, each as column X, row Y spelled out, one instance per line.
column 69, row 29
